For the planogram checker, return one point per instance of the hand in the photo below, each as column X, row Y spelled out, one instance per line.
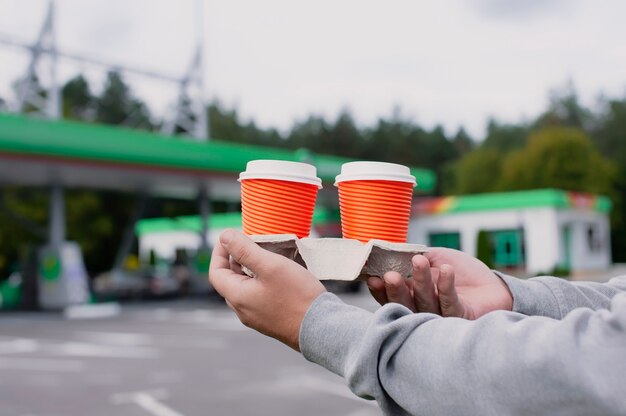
column 275, row 300
column 446, row 282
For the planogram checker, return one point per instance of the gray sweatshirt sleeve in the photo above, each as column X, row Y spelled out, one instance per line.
column 555, row 298
column 504, row 363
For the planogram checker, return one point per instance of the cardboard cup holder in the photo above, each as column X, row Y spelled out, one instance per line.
column 340, row 258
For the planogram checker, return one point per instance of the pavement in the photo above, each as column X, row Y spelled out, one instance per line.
column 168, row 358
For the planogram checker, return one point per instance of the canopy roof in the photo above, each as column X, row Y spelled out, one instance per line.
column 38, row 152
column 513, row 200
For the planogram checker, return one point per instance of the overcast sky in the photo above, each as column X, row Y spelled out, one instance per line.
column 454, row 62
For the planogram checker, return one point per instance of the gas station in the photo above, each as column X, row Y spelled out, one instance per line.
column 58, row 155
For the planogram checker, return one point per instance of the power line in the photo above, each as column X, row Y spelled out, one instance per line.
column 86, row 59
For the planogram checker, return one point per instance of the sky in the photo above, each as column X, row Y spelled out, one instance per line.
column 450, row 62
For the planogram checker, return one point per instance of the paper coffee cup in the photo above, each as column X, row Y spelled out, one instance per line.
column 375, row 201
column 278, row 197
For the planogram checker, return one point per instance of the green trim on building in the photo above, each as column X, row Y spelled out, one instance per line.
column 603, row 204
column 108, row 144
column 447, row 239
column 216, row 221
column 515, row 200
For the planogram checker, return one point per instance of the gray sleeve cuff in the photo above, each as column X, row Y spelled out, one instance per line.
column 532, row 297
column 329, row 330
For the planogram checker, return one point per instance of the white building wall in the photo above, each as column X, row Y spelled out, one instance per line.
column 165, row 243
column 541, row 239
column 467, row 224
column 582, row 256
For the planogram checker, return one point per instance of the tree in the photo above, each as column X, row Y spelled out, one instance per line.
column 565, row 110
column 345, row 137
column 226, row 125
column 23, row 218
column 609, row 136
column 478, row 171
column 558, row 157
column 505, row 137
column 116, row 105
column 462, row 142
column 78, row 102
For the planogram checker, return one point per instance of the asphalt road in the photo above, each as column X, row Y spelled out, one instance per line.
column 168, row 358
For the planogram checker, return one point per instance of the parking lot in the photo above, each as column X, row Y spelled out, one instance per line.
column 167, row 358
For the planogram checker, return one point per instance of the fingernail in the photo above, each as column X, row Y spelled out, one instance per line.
column 227, row 236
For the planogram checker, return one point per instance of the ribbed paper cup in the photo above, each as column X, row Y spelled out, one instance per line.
column 375, row 201
column 278, row 197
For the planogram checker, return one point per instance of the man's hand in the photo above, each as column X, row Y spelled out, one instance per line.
column 275, row 300
column 446, row 282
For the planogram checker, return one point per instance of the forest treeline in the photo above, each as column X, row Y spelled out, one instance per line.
column 568, row 146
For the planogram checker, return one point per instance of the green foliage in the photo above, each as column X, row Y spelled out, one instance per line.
column 565, row 110
column 505, row 137
column 15, row 238
column 483, row 249
column 558, row 157
column 478, row 171
column 610, row 136
column 226, row 125
column 78, row 102
column 117, row 105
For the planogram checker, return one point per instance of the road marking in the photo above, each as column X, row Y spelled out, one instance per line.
column 18, row 345
column 117, row 338
column 152, row 405
column 92, row 311
column 41, row 364
column 81, row 349
column 147, row 400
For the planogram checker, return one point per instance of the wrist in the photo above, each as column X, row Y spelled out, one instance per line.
column 506, row 299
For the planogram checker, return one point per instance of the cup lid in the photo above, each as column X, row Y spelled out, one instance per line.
column 359, row 171
column 281, row 170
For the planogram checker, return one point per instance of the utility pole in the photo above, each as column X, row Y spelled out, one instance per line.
column 190, row 112
column 30, row 95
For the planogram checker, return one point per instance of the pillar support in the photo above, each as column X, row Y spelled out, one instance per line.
column 56, row 230
column 204, row 207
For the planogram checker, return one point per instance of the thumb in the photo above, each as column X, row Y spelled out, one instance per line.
column 448, row 296
column 245, row 251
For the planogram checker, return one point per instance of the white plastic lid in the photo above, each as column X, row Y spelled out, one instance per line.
column 360, row 171
column 281, row 170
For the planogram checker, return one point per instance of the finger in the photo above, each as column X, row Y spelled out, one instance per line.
column 448, row 297
column 397, row 291
column 245, row 251
column 376, row 286
column 223, row 279
column 220, row 259
column 235, row 267
column 424, row 294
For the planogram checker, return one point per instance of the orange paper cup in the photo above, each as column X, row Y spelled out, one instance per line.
column 375, row 201
column 278, row 197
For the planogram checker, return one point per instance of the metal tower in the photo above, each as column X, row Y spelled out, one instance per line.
column 38, row 90
column 32, row 95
